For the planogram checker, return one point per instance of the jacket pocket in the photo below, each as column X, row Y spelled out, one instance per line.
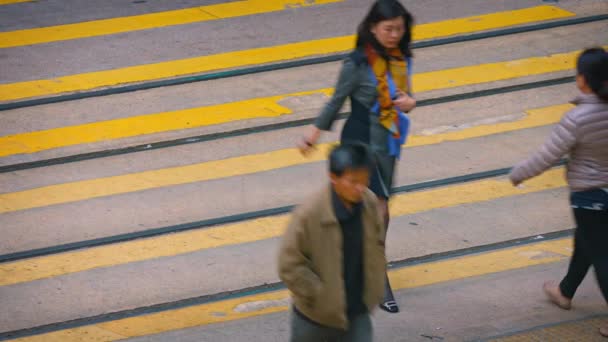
column 377, row 268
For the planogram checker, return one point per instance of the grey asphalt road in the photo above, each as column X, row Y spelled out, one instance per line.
column 455, row 311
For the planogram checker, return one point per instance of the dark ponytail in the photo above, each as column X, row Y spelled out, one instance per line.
column 593, row 65
column 385, row 10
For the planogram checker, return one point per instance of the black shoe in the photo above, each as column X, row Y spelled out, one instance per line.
column 390, row 306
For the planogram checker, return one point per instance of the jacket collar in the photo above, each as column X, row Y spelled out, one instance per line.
column 327, row 211
column 587, row 98
column 340, row 210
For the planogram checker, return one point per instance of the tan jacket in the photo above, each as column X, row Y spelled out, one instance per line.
column 310, row 259
column 583, row 133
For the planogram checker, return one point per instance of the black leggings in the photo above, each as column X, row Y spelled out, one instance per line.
column 590, row 248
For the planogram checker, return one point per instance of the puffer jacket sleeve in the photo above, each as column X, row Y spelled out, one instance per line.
column 561, row 141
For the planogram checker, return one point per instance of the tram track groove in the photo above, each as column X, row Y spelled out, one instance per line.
column 271, row 287
column 266, row 128
column 202, row 224
column 291, row 64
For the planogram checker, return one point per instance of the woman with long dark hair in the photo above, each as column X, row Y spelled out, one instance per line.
column 375, row 76
column 583, row 135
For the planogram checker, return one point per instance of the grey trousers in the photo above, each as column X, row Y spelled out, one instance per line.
column 304, row 330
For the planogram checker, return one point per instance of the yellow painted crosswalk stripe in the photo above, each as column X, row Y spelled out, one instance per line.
column 235, row 309
column 100, row 187
column 254, row 230
column 37, row 141
column 8, row 2
column 149, row 21
column 584, row 329
column 149, row 72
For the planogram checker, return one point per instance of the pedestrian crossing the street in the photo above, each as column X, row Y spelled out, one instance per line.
column 96, row 248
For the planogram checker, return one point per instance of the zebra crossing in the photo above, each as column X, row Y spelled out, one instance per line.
column 103, row 241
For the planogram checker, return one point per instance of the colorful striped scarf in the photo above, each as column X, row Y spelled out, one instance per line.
column 397, row 66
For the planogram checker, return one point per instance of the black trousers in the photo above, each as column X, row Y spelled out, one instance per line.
column 590, row 249
column 304, row 330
